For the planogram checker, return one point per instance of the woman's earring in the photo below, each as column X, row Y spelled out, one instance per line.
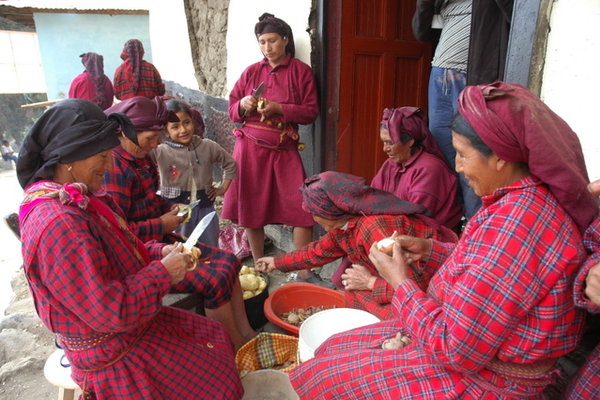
column 69, row 168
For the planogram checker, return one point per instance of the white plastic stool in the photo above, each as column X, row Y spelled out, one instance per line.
column 60, row 376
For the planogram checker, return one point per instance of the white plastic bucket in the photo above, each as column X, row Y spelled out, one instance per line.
column 320, row 326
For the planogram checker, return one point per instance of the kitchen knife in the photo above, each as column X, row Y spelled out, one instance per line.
column 187, row 209
column 256, row 93
column 198, row 231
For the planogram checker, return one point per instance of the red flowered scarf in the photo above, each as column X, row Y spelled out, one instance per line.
column 77, row 194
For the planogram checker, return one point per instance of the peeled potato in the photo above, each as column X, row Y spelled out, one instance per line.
column 195, row 253
column 247, row 294
column 262, row 283
column 249, row 282
column 386, row 245
column 245, row 270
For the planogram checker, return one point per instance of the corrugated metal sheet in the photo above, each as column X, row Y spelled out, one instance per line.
column 87, row 5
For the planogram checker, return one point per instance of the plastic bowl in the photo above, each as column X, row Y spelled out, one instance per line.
column 320, row 326
column 299, row 295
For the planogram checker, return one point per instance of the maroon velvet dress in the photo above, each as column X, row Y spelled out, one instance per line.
column 270, row 170
column 424, row 179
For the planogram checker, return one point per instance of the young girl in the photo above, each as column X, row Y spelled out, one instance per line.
column 185, row 162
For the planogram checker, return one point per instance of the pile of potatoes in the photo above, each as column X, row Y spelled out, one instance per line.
column 252, row 282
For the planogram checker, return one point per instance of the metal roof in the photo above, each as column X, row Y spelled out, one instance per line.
column 84, row 5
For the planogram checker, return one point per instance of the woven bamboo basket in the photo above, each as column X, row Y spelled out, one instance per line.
column 268, row 351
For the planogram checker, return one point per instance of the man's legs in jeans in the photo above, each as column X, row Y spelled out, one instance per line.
column 444, row 87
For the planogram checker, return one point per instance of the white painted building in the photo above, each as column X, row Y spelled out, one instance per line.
column 569, row 81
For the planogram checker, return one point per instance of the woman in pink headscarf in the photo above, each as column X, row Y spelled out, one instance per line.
column 415, row 170
column 92, row 84
column 133, row 183
column 499, row 311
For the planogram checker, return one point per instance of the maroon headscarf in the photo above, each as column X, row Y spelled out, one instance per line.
column 133, row 55
column 145, row 114
column 180, row 105
column 94, row 66
column 336, row 195
column 519, row 127
column 268, row 23
column 410, row 120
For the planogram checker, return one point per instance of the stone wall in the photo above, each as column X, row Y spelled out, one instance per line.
column 207, row 26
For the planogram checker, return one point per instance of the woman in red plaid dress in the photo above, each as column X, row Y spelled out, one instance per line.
column 499, row 311
column 586, row 384
column 354, row 216
column 133, row 184
column 96, row 285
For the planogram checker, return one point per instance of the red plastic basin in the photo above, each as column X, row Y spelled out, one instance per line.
column 299, row 295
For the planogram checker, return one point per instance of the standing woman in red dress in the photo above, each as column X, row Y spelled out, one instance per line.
column 136, row 76
column 270, row 171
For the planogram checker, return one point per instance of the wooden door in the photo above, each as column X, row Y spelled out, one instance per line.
column 381, row 65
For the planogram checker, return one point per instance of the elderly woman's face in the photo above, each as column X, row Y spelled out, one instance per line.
column 479, row 170
column 329, row 224
column 91, row 170
column 148, row 141
column 397, row 152
column 272, row 45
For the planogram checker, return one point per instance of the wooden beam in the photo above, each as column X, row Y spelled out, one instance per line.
column 48, row 103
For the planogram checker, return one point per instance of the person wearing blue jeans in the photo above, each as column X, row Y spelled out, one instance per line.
column 444, row 87
column 448, row 74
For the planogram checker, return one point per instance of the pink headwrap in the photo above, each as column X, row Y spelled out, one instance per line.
column 410, row 120
column 145, row 114
column 336, row 195
column 133, row 55
column 519, row 127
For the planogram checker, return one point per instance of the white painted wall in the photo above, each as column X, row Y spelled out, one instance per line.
column 20, row 63
column 242, row 46
column 571, row 86
column 170, row 41
column 171, row 50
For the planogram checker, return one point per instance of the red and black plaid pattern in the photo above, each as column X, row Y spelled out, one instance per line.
column 136, row 77
column 132, row 184
column 85, row 283
column 504, row 294
column 586, row 384
column 355, row 242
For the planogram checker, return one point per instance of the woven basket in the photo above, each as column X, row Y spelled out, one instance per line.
column 268, row 351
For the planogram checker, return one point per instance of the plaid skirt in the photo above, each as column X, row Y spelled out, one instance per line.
column 352, row 366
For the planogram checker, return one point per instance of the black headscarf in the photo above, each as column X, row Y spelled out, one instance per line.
column 71, row 130
column 268, row 23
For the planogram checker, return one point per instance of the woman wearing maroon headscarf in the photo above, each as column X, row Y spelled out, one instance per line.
column 499, row 311
column 415, row 170
column 133, row 185
column 270, row 170
column 136, row 76
column 356, row 215
column 92, row 84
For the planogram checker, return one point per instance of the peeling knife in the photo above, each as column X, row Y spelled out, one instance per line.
column 256, row 93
